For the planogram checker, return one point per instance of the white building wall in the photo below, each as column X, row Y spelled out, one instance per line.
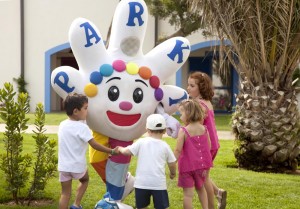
column 10, row 49
column 46, row 26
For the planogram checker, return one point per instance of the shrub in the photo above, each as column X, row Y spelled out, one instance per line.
column 13, row 162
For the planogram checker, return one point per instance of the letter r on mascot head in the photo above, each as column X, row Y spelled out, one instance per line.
column 123, row 85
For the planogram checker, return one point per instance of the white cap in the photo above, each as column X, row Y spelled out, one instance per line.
column 156, row 122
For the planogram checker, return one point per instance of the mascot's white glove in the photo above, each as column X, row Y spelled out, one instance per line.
column 173, row 124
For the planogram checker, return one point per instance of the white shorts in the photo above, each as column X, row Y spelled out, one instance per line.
column 67, row 176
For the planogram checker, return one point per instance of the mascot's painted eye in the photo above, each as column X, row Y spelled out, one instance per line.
column 113, row 93
column 138, row 95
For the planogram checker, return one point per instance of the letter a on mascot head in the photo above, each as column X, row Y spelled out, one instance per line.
column 123, row 85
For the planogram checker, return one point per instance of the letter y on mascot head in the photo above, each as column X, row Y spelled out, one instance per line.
column 123, row 85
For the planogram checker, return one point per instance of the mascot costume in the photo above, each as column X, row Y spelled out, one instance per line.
column 123, row 85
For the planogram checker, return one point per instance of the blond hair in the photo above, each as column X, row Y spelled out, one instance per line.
column 192, row 109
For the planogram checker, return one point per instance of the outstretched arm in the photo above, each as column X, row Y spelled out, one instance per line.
column 125, row 151
column 102, row 148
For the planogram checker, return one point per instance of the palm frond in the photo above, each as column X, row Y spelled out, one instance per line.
column 264, row 34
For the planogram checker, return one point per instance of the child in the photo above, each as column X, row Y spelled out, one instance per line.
column 200, row 88
column 193, row 153
column 153, row 153
column 73, row 139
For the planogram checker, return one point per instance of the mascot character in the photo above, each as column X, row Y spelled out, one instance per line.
column 123, row 85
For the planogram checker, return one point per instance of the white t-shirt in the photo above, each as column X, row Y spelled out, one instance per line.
column 73, row 137
column 153, row 154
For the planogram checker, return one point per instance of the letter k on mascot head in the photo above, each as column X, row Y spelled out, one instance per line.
column 123, row 85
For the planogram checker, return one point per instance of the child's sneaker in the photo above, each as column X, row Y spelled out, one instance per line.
column 222, row 196
column 74, row 207
column 106, row 203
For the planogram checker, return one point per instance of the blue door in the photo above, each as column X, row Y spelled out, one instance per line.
column 202, row 64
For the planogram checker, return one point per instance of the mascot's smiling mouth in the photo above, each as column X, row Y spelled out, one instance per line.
column 123, row 120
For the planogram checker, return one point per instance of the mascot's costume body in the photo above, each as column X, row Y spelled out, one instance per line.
column 123, row 85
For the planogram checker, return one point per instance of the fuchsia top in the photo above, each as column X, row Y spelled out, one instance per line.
column 195, row 154
column 209, row 122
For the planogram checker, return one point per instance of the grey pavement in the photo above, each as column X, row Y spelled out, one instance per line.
column 52, row 129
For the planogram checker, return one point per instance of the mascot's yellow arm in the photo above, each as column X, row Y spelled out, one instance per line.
column 98, row 159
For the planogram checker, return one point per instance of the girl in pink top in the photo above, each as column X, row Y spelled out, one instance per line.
column 193, row 153
column 200, row 88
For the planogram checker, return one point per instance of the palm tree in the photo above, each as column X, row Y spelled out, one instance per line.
column 264, row 47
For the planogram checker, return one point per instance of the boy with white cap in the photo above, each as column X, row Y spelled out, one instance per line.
column 153, row 154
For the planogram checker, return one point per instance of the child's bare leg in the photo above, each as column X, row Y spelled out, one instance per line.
column 83, row 184
column 66, row 190
column 215, row 188
column 188, row 194
column 210, row 192
column 202, row 195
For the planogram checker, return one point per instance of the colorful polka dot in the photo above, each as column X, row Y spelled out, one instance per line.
column 119, row 65
column 158, row 94
column 145, row 72
column 106, row 70
column 96, row 77
column 91, row 90
column 154, row 82
column 132, row 68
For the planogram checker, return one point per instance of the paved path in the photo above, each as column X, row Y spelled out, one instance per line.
column 51, row 129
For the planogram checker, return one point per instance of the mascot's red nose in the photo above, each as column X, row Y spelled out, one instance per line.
column 123, row 120
column 125, row 106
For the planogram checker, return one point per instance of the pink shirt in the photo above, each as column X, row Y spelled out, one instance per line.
column 209, row 122
column 195, row 154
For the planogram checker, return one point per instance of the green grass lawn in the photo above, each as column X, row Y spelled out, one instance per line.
column 50, row 118
column 246, row 189
column 223, row 122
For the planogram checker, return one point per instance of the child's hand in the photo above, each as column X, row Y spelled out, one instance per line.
column 115, row 151
column 124, row 151
column 172, row 175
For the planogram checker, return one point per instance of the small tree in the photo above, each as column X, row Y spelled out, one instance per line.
column 21, row 84
column 14, row 163
column 45, row 158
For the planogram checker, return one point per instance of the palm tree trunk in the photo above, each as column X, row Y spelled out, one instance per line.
column 266, row 125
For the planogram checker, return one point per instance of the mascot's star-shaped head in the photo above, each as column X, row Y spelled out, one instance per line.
column 123, row 85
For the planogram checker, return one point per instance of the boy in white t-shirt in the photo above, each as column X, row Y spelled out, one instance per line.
column 153, row 154
column 73, row 139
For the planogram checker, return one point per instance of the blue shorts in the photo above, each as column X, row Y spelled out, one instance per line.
column 143, row 196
